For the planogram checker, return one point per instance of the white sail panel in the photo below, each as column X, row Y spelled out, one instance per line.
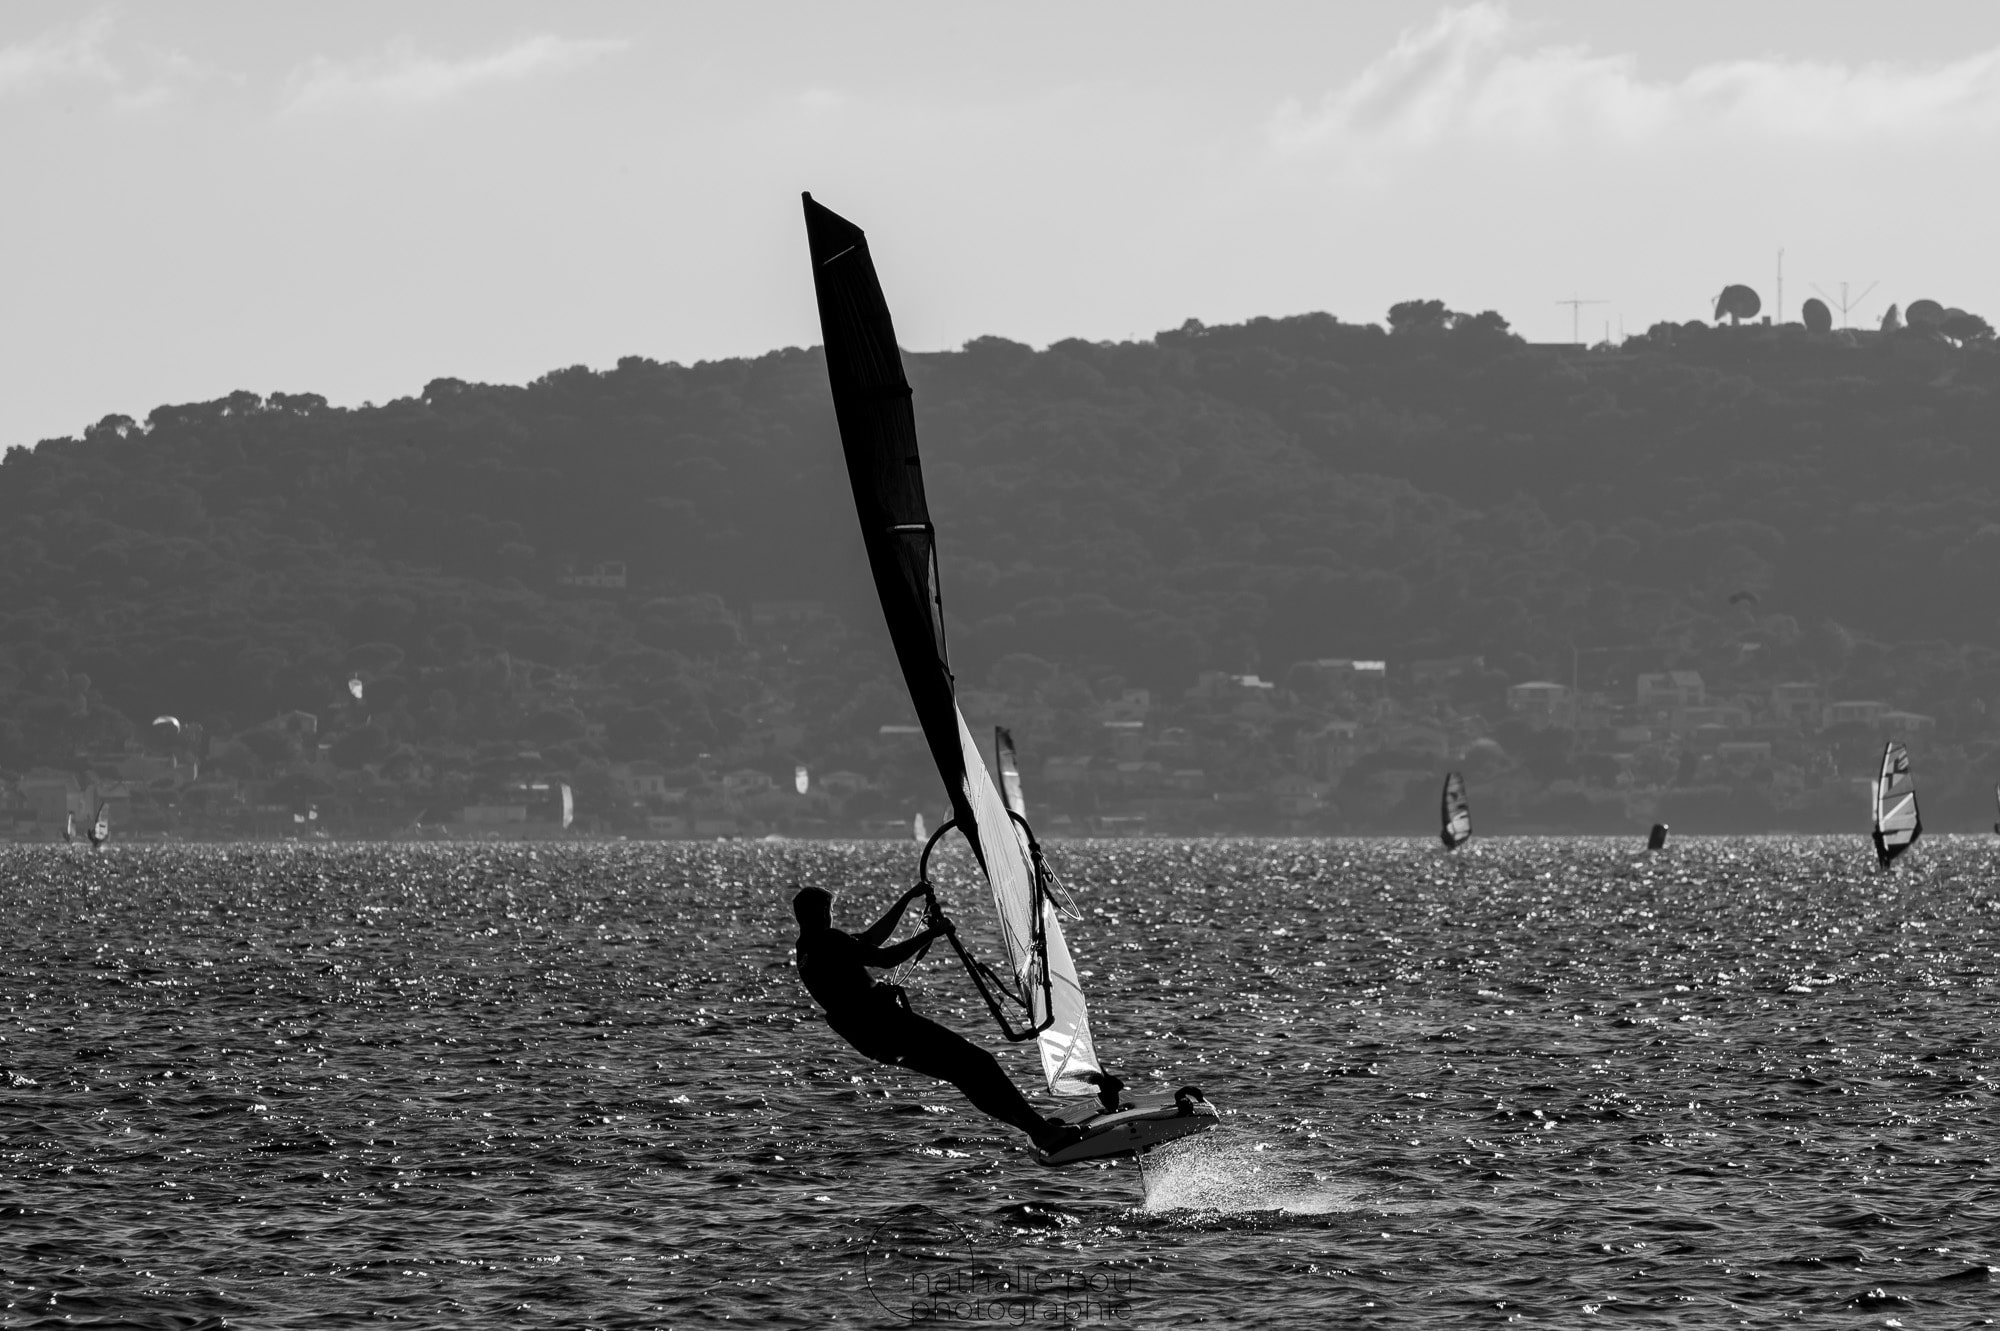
column 1067, row 1053
column 1010, row 770
column 1897, row 824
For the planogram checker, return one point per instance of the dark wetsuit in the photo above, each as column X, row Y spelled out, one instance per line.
column 876, row 1019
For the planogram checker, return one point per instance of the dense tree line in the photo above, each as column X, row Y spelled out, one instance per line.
column 1757, row 503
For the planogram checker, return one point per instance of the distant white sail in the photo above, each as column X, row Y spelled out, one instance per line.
column 1897, row 823
column 918, row 830
column 1010, row 770
column 800, row 780
column 568, row 806
column 354, row 686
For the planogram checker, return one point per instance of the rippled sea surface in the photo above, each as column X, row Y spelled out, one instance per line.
column 1549, row 1080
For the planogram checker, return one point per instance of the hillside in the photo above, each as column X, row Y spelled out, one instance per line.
column 1757, row 506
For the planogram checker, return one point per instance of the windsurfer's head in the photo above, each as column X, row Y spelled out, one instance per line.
column 814, row 907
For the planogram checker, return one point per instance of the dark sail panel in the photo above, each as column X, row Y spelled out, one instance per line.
column 878, row 435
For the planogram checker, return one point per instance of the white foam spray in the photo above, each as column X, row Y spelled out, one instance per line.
column 1232, row 1172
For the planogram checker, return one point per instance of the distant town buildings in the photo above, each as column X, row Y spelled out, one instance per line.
column 607, row 576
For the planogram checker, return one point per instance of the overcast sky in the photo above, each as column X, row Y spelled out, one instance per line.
column 355, row 198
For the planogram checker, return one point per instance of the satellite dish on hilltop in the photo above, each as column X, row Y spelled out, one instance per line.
column 1924, row 314
column 1818, row 318
column 1737, row 303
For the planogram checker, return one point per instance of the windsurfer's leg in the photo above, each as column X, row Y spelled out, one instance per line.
column 938, row 1051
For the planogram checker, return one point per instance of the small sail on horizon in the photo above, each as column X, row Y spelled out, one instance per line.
column 878, row 436
column 918, row 830
column 568, row 806
column 69, row 827
column 1454, row 814
column 1897, row 823
column 1657, row 838
column 100, row 831
column 801, row 780
column 1010, row 770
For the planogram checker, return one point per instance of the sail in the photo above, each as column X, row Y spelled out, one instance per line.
column 1010, row 770
column 1454, row 814
column 568, row 805
column 801, row 779
column 878, row 435
column 1897, row 825
column 918, row 831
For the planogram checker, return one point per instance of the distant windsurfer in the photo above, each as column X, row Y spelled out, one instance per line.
column 876, row 1018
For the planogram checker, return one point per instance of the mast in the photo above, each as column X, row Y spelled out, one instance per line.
column 878, row 435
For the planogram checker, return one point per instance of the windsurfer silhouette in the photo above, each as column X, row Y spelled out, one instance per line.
column 876, row 1018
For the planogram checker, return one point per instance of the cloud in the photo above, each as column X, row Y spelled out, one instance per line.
column 1469, row 77
column 401, row 76
column 67, row 55
column 821, row 101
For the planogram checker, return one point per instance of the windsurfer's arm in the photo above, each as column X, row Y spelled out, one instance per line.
column 884, row 958
column 878, row 932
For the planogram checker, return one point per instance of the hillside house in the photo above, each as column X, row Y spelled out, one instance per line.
column 1539, row 700
column 1131, row 705
column 746, row 781
column 1796, row 704
column 1672, row 690
column 1909, row 723
column 1439, row 671
column 1855, row 713
column 640, row 780
column 1127, row 739
column 1330, row 750
column 608, row 576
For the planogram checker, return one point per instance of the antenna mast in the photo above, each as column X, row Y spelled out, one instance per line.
column 1781, row 284
column 1844, row 304
column 1576, row 316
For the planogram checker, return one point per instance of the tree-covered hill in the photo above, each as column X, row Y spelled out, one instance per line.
column 1757, row 504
